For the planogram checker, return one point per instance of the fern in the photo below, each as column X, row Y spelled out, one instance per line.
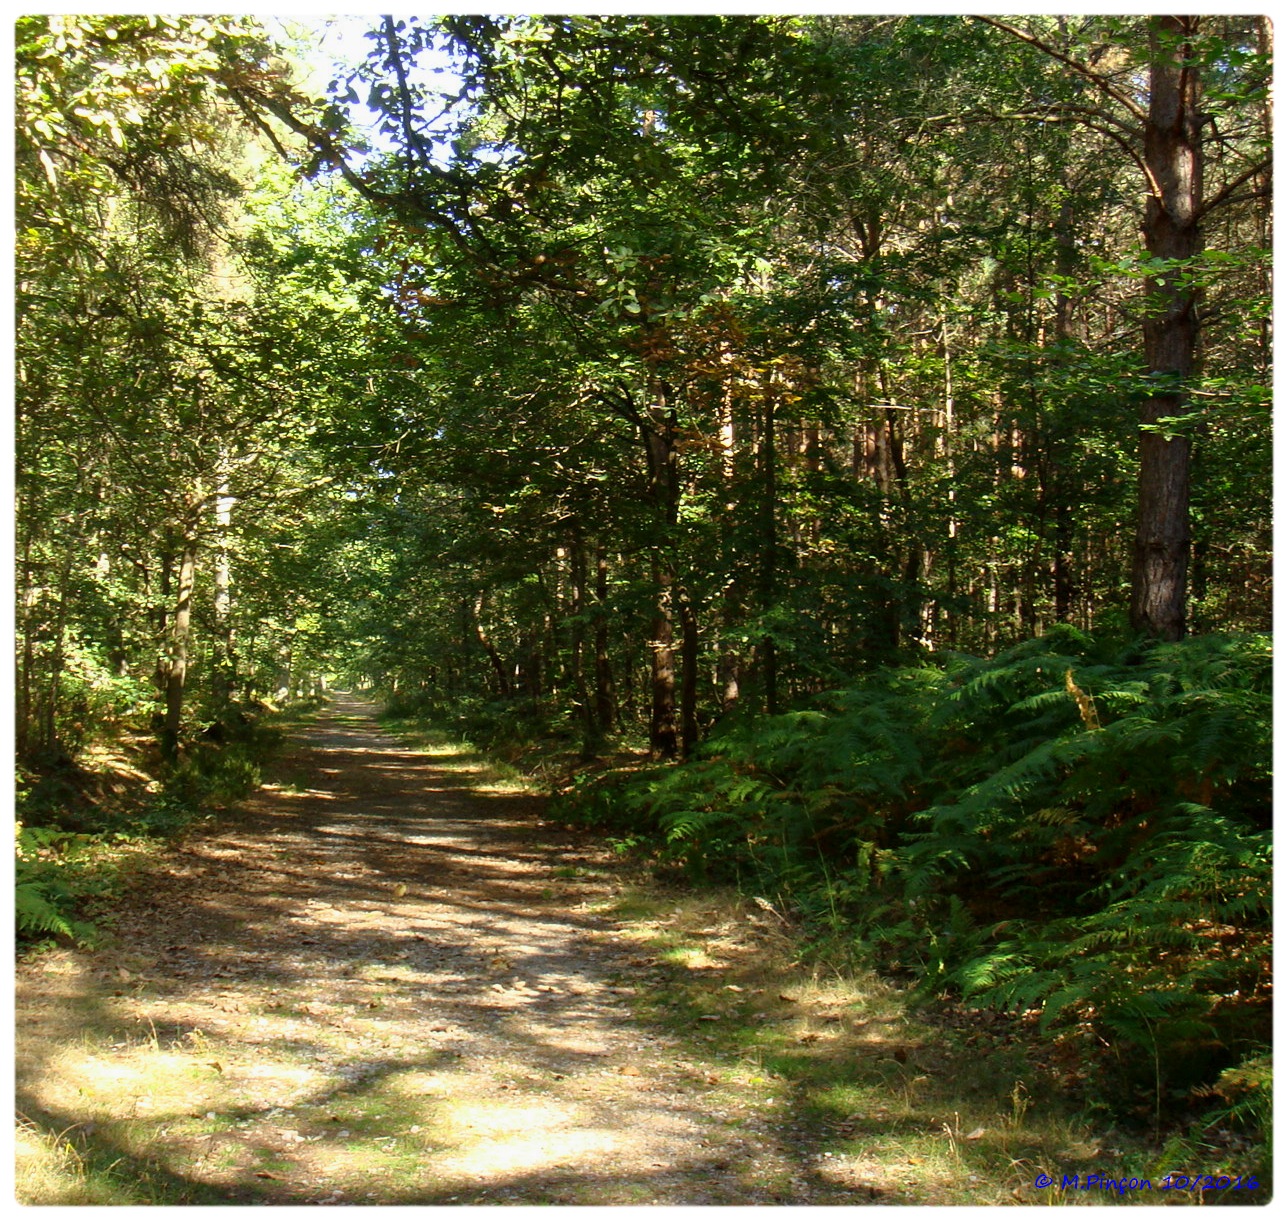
column 974, row 822
column 49, row 883
column 36, row 910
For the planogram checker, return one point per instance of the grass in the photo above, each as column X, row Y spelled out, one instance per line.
column 956, row 1109
column 482, row 770
column 208, row 1119
column 951, row 1107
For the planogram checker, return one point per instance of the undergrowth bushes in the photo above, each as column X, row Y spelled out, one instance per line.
column 513, row 727
column 1072, row 828
column 77, row 836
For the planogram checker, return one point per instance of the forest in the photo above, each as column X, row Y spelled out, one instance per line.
column 830, row 454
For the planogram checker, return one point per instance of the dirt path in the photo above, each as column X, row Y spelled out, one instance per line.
column 377, row 986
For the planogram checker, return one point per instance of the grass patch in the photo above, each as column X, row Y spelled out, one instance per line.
column 478, row 768
column 952, row 1106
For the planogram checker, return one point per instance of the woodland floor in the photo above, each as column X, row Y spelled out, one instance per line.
column 384, row 981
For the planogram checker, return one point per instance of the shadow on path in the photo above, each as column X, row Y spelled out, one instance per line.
column 376, row 985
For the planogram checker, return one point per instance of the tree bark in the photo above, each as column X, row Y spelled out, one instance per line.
column 663, row 736
column 768, row 455
column 1173, row 159
column 49, row 726
column 658, row 431
column 26, row 668
column 729, row 665
column 591, row 732
column 605, row 706
column 480, row 632
column 688, row 675
column 224, row 669
column 180, row 635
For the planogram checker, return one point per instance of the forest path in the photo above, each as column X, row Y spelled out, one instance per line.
column 378, row 985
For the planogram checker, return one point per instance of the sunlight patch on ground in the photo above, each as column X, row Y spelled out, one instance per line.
column 48, row 1168
column 290, row 791
column 694, row 959
column 145, row 1082
column 285, row 1076
column 505, row 788
column 351, row 748
column 503, row 1139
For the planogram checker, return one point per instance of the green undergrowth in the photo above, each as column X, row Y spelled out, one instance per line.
column 546, row 745
column 531, row 752
column 476, row 766
column 1075, row 833
column 84, row 825
column 945, row 1104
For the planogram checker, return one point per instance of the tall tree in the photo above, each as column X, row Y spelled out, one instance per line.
column 1169, row 135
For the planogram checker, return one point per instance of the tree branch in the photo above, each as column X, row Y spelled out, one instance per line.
column 1075, row 65
column 325, row 146
column 415, row 142
column 1227, row 193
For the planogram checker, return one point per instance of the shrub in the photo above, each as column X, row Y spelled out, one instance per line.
column 53, row 875
column 1075, row 827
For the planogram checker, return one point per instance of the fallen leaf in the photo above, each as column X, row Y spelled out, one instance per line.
column 263, row 1174
column 219, row 1068
column 399, row 890
column 629, row 1070
column 977, row 1134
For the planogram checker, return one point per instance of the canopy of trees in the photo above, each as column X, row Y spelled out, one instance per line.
column 658, row 380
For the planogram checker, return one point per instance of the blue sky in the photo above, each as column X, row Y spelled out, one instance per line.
column 339, row 42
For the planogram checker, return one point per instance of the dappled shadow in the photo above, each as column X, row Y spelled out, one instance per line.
column 105, row 1160
column 379, row 901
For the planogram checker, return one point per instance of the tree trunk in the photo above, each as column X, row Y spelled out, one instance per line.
column 605, row 709
column 663, row 737
column 658, row 434
column 1173, row 159
column 49, row 727
column 729, row 665
column 769, row 549
column 224, row 669
column 26, row 668
column 177, row 664
column 688, row 675
column 498, row 667
column 591, row 732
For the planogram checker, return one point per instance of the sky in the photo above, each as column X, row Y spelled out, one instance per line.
column 339, row 42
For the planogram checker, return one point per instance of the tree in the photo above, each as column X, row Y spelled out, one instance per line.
column 169, row 374
column 1169, row 135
